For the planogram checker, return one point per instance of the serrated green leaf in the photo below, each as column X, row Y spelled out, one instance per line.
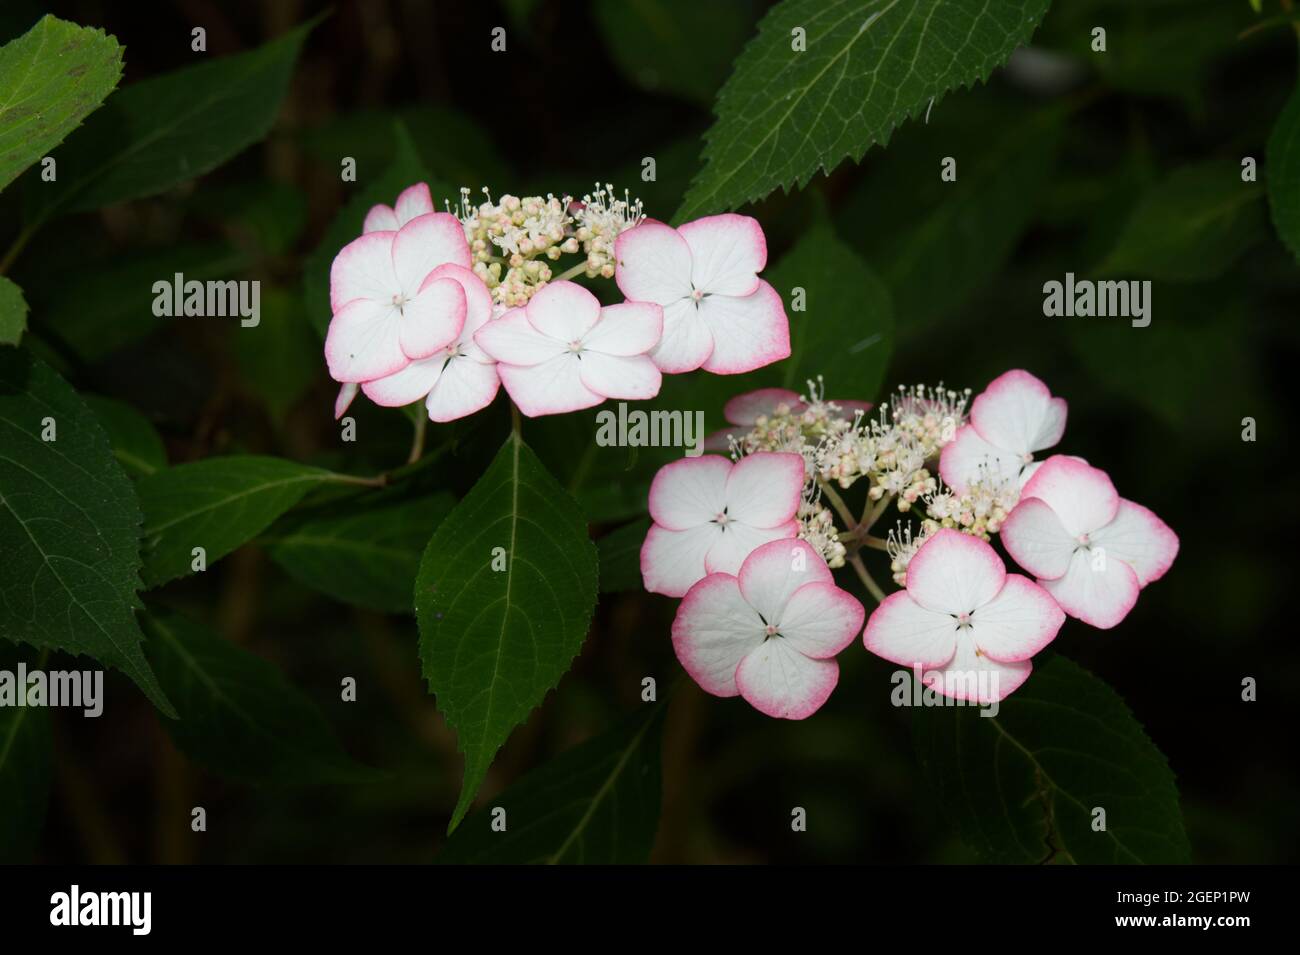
column 597, row 804
column 171, row 128
column 13, row 312
column 368, row 555
column 51, row 78
column 238, row 715
column 217, row 504
column 785, row 115
column 494, row 642
column 1192, row 226
column 1021, row 786
column 136, row 444
column 26, row 769
column 69, row 527
column 1282, row 170
column 620, row 557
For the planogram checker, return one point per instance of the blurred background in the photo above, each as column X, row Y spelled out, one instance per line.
column 1054, row 155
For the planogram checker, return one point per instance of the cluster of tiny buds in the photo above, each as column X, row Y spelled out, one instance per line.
column 513, row 239
column 902, row 547
column 817, row 527
column 979, row 511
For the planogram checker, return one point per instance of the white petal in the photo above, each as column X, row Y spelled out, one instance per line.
column 779, row 681
column 553, row 387
column 512, row 339
column 564, row 311
column 745, row 410
column 406, row 386
column 412, row 202
column 976, row 677
column 727, row 253
column 433, row 319
column 713, row 631
column 1037, row 540
column 1099, row 591
column 687, row 342
column 748, row 332
column 466, row 386
column 968, row 457
column 673, row 561
column 653, row 264
column 478, row 300
column 632, row 328
column 1017, row 412
column 364, row 269
column 1082, row 496
column 347, row 393
column 380, row 218
column 1140, row 539
column 737, row 541
column 363, row 341
column 772, row 573
column 630, row 379
column 902, row 631
column 1017, row 623
column 690, row 491
column 425, row 243
column 764, row 488
column 820, row 620
column 954, row 573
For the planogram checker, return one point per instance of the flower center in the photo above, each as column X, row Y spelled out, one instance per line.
column 963, row 621
column 1027, row 457
column 696, row 294
column 769, row 630
column 721, row 518
column 575, row 346
column 399, row 300
column 1083, row 540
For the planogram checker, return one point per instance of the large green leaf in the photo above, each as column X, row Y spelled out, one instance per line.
column 135, row 443
column 217, row 504
column 26, row 769
column 238, row 715
column 170, row 128
column 1190, row 227
column 597, row 804
column 1283, row 172
column 51, row 78
column 368, row 555
column 1023, row 786
column 69, row 526
column 13, row 312
column 494, row 641
column 785, row 114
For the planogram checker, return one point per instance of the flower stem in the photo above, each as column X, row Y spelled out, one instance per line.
column 878, row 543
column 871, row 514
column 841, row 508
column 855, row 561
column 417, row 440
column 578, row 269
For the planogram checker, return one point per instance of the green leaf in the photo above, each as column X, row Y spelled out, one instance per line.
column 1192, row 226
column 597, row 804
column 217, row 504
column 136, row 444
column 1282, row 167
column 52, row 77
column 494, row 642
column 280, row 356
column 679, row 46
column 26, row 768
column 171, row 128
column 620, row 557
column 13, row 312
column 69, row 527
column 238, row 715
column 367, row 556
column 407, row 168
column 1021, row 786
column 784, row 115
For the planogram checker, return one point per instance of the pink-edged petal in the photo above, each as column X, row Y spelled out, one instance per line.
column 1016, row 412
column 465, row 386
column 954, row 573
column 820, row 620
column 968, row 457
column 738, row 541
column 687, row 341
column 363, row 341
column 1100, row 591
column 779, row 681
column 689, row 492
column 653, row 264
column 1017, row 623
column 727, row 252
column 772, row 573
column 380, row 218
column 553, row 387
column 564, row 311
column 412, row 202
column 512, row 339
column 630, row 328
column 901, row 631
column 630, row 379
column 1140, row 539
column 433, row 319
column 1037, row 540
column 976, row 677
column 721, row 440
column 425, row 243
column 1082, row 496
column 347, row 393
column 745, row 410
column 764, row 488
column 478, row 300
column 713, row 631
column 748, row 332
column 364, row 269
column 673, row 561
column 404, row 387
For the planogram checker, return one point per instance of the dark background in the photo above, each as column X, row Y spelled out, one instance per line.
column 1160, row 408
